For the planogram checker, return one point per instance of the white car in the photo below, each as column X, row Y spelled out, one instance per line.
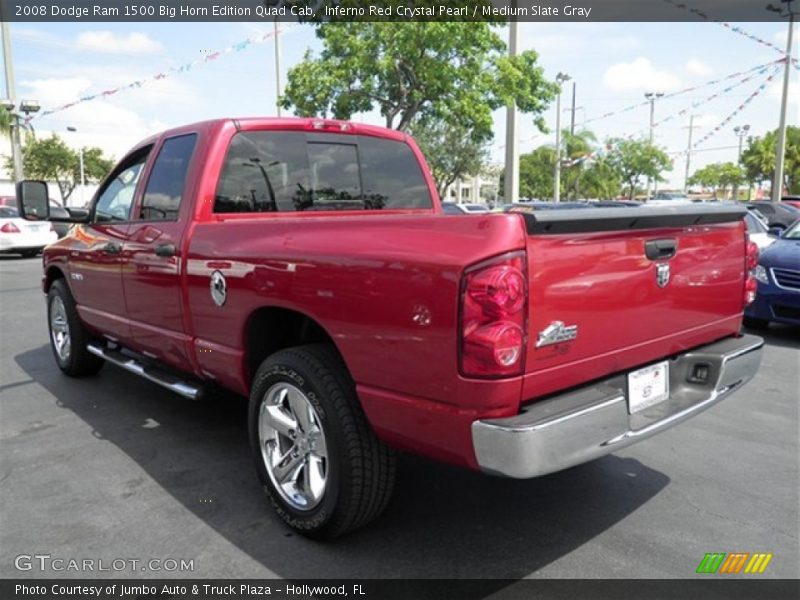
column 757, row 231
column 23, row 237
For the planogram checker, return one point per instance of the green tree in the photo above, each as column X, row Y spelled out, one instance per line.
column 52, row 160
column 451, row 153
column 577, row 151
column 450, row 72
column 758, row 159
column 5, row 122
column 635, row 159
column 601, row 180
column 719, row 177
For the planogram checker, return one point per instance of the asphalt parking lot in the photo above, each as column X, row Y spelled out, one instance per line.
column 115, row 467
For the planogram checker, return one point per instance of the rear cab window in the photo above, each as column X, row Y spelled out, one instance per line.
column 290, row 171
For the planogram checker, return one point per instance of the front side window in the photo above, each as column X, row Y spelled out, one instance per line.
column 283, row 171
column 165, row 186
column 116, row 199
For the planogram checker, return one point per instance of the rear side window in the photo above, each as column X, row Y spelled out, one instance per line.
column 279, row 171
column 164, row 191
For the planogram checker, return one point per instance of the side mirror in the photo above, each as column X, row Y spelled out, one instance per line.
column 32, row 200
column 775, row 231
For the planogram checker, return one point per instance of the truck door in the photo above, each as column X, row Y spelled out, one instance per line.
column 152, row 279
column 97, row 254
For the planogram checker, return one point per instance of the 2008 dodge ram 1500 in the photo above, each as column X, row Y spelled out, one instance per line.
column 306, row 263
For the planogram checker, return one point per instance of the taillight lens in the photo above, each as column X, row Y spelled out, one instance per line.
column 493, row 328
column 9, row 228
column 750, row 264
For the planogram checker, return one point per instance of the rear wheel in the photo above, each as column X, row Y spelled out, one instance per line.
column 321, row 465
column 68, row 336
column 754, row 323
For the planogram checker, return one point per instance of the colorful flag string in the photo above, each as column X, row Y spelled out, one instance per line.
column 686, row 90
column 738, row 109
column 210, row 57
column 729, row 26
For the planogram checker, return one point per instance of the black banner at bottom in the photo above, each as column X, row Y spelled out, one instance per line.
column 707, row 588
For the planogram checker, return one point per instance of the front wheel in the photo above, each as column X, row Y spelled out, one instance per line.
column 68, row 336
column 321, row 465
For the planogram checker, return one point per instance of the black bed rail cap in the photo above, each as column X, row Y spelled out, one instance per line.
column 626, row 218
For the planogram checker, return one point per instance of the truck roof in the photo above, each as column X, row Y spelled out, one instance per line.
column 318, row 124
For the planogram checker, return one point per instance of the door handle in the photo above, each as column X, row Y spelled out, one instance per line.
column 112, row 248
column 660, row 249
column 165, row 250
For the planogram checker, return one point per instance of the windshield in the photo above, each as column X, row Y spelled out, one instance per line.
column 793, row 233
column 753, row 224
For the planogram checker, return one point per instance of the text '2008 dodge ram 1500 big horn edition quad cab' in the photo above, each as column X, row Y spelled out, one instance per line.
column 307, row 264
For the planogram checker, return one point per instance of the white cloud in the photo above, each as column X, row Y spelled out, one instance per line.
column 697, row 67
column 106, row 41
column 639, row 74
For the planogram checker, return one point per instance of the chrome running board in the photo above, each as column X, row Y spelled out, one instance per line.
column 172, row 382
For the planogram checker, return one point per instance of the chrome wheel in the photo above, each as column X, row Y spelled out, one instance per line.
column 59, row 329
column 293, row 446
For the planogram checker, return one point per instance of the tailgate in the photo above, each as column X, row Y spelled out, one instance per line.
column 614, row 288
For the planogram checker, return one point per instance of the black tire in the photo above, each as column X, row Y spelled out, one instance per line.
column 29, row 253
column 79, row 361
column 360, row 470
column 753, row 323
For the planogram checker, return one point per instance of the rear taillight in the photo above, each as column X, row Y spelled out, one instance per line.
column 493, row 328
column 9, row 228
column 750, row 263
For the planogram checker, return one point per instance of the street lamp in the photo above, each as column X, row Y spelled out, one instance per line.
column 741, row 133
column 560, row 78
column 652, row 96
column 28, row 107
column 777, row 183
column 80, row 156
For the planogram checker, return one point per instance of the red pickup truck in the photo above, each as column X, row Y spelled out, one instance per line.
column 307, row 264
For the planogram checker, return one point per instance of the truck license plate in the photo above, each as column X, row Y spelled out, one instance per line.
column 648, row 386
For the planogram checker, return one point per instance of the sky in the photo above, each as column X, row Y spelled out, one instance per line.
column 612, row 64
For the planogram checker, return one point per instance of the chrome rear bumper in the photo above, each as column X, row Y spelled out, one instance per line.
column 586, row 423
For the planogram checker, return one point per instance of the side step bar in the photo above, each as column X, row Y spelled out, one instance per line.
column 154, row 374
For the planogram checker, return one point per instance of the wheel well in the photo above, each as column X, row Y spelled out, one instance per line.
column 52, row 274
column 270, row 329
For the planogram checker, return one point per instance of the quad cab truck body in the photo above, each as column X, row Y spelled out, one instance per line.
column 307, row 264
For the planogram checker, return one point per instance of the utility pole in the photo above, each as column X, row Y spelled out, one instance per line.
column 689, row 153
column 511, row 191
column 16, row 146
column 83, row 172
column 572, row 119
column 780, row 153
column 278, row 89
column 560, row 78
column 651, row 96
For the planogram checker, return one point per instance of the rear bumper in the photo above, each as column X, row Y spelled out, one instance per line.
column 586, row 423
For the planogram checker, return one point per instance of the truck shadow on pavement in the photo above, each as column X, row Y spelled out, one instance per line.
column 443, row 522
column 778, row 334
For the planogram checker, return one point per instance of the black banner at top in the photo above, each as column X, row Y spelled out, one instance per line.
column 563, row 11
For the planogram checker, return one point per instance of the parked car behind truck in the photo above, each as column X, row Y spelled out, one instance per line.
column 307, row 264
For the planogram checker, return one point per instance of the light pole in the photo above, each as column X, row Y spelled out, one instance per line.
column 777, row 182
column 651, row 96
column 25, row 106
column 560, row 78
column 16, row 146
column 689, row 153
column 80, row 157
column 741, row 133
column 572, row 119
column 511, row 191
column 278, row 90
